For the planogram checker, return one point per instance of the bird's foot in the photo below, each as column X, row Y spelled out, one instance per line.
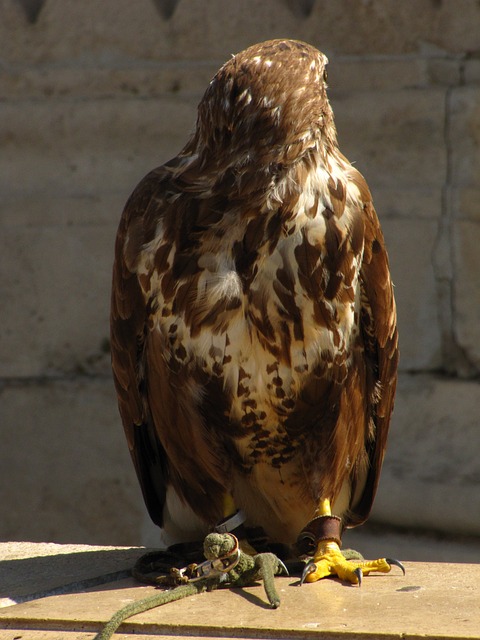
column 330, row 561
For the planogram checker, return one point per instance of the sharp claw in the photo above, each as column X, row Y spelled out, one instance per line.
column 309, row 568
column 283, row 568
column 396, row 563
column 359, row 573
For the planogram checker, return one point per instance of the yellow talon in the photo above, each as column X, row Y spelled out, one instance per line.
column 329, row 561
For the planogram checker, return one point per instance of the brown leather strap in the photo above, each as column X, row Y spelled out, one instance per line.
column 318, row 529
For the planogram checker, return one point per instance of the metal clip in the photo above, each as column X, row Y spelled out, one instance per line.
column 211, row 568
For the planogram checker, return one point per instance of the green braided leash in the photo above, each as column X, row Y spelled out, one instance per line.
column 226, row 566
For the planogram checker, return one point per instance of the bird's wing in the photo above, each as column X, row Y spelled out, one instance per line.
column 379, row 331
column 170, row 410
column 128, row 332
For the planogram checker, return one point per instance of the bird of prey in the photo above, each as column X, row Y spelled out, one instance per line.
column 253, row 323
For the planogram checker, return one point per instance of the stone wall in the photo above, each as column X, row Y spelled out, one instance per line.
column 93, row 95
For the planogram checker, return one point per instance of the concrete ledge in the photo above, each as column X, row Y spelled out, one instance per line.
column 432, row 601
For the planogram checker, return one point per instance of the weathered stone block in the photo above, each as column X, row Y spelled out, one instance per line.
column 66, row 472
column 472, row 71
column 396, row 140
column 431, row 477
column 88, row 147
column 441, row 71
column 82, row 32
column 406, row 201
column 67, row 169
column 464, row 137
column 178, row 79
column 464, row 142
column 55, row 299
column 396, row 27
column 358, row 74
column 115, row 29
column 465, row 202
column 32, row 211
column 466, row 290
column 189, row 78
column 410, row 246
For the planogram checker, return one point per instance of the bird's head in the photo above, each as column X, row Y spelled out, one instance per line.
column 267, row 105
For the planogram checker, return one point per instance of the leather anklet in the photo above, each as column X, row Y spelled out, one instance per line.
column 320, row 528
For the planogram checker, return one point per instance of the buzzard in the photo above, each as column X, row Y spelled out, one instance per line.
column 253, row 322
